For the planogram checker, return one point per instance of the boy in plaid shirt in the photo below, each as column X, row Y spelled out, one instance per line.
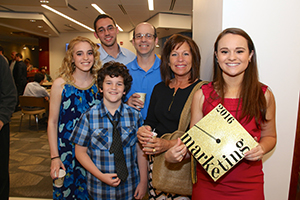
column 93, row 137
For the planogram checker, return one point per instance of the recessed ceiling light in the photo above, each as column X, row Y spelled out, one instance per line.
column 40, row 26
column 150, row 4
column 98, row 8
column 120, row 29
column 44, row 1
column 46, row 31
column 32, row 20
column 68, row 18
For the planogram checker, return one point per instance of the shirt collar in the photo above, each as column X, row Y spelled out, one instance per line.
column 103, row 110
column 155, row 65
column 105, row 54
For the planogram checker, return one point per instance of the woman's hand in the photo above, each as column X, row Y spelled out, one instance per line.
column 158, row 145
column 144, row 134
column 176, row 153
column 256, row 153
column 56, row 164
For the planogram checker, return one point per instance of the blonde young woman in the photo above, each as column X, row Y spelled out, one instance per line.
column 72, row 93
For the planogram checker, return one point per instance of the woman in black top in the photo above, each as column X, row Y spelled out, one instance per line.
column 180, row 71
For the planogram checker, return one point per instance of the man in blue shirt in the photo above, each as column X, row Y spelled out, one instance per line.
column 106, row 31
column 144, row 69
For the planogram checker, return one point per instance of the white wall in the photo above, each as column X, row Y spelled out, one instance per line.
column 207, row 24
column 57, row 47
column 273, row 26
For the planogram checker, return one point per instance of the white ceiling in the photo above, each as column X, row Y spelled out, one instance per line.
column 15, row 15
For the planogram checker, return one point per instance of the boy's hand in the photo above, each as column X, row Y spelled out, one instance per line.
column 111, row 179
column 140, row 191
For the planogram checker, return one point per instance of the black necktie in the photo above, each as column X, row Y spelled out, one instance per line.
column 117, row 149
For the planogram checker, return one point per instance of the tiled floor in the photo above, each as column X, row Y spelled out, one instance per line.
column 29, row 160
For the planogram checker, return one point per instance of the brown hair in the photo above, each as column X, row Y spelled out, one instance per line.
column 175, row 41
column 114, row 69
column 67, row 68
column 251, row 94
column 103, row 16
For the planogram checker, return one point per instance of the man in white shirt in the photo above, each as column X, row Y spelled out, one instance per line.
column 106, row 31
column 12, row 62
column 35, row 88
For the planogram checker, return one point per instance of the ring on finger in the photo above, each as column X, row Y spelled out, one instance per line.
column 154, row 150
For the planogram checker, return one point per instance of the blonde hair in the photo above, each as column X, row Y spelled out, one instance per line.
column 67, row 68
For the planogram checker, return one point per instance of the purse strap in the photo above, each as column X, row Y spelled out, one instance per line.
column 185, row 115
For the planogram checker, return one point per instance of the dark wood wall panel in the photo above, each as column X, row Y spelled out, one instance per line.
column 296, row 162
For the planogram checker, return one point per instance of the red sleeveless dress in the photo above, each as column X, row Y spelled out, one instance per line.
column 245, row 180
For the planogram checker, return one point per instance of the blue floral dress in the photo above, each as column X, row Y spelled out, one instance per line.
column 74, row 102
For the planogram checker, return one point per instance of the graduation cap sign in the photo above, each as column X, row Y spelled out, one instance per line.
column 218, row 142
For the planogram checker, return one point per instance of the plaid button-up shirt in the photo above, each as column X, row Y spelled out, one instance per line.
column 94, row 131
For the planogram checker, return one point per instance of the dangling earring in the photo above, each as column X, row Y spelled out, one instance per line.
column 73, row 66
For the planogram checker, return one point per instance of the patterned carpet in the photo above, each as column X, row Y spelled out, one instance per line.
column 29, row 159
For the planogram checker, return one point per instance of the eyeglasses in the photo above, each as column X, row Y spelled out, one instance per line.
column 109, row 28
column 148, row 36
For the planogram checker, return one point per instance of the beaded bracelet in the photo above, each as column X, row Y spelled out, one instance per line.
column 55, row 157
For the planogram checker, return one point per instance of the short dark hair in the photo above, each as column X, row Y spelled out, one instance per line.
column 38, row 77
column 1, row 49
column 114, row 69
column 175, row 41
column 103, row 16
column 27, row 61
column 19, row 55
